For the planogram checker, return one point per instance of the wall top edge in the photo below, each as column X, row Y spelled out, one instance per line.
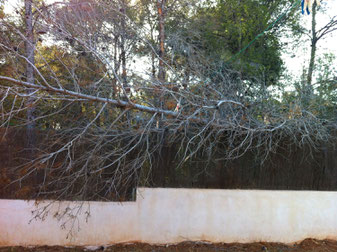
column 142, row 191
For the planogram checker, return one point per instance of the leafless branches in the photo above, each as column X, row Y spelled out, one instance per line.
column 104, row 118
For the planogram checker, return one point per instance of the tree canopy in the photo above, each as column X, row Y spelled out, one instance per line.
column 111, row 84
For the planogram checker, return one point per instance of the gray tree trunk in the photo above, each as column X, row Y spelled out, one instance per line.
column 313, row 48
column 122, row 46
column 30, row 55
column 161, row 19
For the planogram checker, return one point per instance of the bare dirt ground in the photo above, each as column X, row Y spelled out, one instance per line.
column 308, row 245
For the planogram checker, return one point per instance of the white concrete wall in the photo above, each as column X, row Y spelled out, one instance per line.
column 175, row 215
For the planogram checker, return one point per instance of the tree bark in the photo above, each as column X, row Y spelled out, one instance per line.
column 30, row 55
column 122, row 46
column 313, row 47
column 161, row 20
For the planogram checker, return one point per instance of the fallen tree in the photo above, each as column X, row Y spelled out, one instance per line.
column 107, row 117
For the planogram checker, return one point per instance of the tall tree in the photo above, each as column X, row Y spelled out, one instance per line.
column 161, row 30
column 317, row 34
column 93, row 150
column 30, row 63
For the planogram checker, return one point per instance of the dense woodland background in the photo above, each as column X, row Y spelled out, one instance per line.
column 98, row 97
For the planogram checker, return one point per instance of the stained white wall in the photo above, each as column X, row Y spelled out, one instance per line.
column 175, row 215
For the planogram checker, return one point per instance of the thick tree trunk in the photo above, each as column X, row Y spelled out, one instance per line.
column 122, row 47
column 126, row 87
column 30, row 54
column 313, row 48
column 161, row 20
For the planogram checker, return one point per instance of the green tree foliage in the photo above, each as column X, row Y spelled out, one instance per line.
column 107, row 113
column 324, row 98
column 228, row 26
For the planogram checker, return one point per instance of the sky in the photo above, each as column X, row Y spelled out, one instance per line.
column 326, row 45
column 296, row 59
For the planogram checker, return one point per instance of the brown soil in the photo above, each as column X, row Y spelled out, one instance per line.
column 308, row 245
